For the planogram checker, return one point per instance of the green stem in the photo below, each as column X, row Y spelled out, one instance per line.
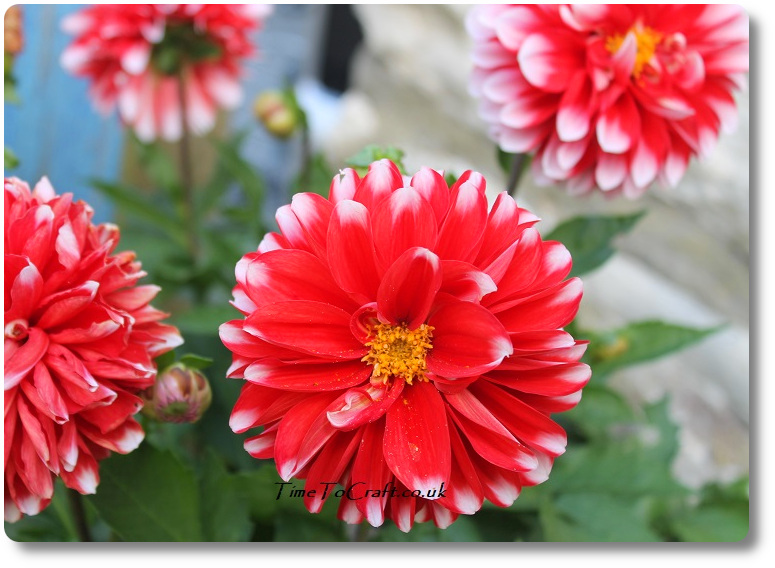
column 306, row 158
column 515, row 173
column 79, row 515
column 186, row 176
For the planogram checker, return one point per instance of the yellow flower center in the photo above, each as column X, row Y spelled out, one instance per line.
column 397, row 351
column 647, row 41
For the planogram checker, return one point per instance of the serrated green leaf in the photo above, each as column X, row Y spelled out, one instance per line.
column 53, row 524
column 634, row 461
column 159, row 166
column 372, row 153
column 305, row 527
column 597, row 517
column 589, row 238
column 9, row 158
column 9, row 92
column 600, row 410
column 198, row 362
column 713, row 523
column 638, row 342
column 131, row 200
column 317, row 178
column 149, row 496
column 260, row 491
column 225, row 511
column 165, row 360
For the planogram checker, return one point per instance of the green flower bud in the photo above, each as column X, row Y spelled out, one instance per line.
column 179, row 395
column 273, row 110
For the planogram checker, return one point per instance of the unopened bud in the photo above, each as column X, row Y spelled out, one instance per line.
column 179, row 395
column 12, row 25
column 273, row 110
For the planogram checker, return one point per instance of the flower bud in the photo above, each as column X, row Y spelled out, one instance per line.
column 12, row 26
column 179, row 395
column 273, row 110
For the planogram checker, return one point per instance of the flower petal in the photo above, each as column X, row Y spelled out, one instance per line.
column 302, row 431
column 351, row 254
column 552, row 309
column 417, row 447
column 461, row 233
column 25, row 357
column 402, row 221
column 309, row 327
column 409, row 287
column 467, row 340
column 308, row 378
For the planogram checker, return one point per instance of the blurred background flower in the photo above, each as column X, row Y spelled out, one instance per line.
column 80, row 338
column 610, row 96
column 157, row 62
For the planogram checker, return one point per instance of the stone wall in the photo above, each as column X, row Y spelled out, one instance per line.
column 686, row 262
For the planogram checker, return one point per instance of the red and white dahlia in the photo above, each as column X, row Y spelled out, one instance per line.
column 80, row 338
column 611, row 96
column 139, row 56
column 404, row 343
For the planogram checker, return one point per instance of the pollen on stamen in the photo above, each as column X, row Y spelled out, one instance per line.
column 647, row 41
column 397, row 351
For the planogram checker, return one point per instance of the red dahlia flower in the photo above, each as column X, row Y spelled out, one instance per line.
column 80, row 338
column 137, row 56
column 399, row 339
column 611, row 96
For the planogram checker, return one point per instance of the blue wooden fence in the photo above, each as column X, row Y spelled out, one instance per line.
column 55, row 130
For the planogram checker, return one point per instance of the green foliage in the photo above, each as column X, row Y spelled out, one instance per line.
column 360, row 161
column 198, row 362
column 637, row 343
column 589, row 238
column 316, row 178
column 53, row 524
column 10, row 161
column 149, row 495
column 225, row 513
column 722, row 515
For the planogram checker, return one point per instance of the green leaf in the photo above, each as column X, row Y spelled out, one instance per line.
column 9, row 158
column 372, row 153
column 159, row 166
column 317, row 178
column 632, row 462
column 9, row 91
column 638, row 342
column 165, row 360
column 259, row 490
column 225, row 513
column 600, row 410
column 198, row 362
column 713, row 523
column 589, row 238
column 597, row 517
column 149, row 496
column 131, row 200
column 53, row 524
column 291, row 526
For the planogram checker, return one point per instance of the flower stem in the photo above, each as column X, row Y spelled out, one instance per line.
column 79, row 515
column 186, row 175
column 515, row 173
column 306, row 158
